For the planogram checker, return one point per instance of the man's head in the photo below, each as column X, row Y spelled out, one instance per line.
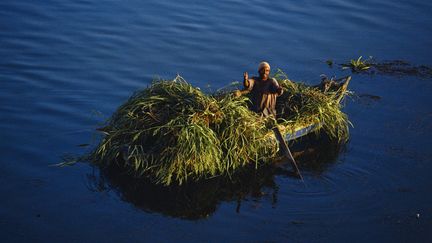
column 264, row 70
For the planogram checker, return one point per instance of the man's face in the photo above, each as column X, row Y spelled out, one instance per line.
column 264, row 73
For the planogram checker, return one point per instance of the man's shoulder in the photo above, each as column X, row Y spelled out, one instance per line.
column 274, row 80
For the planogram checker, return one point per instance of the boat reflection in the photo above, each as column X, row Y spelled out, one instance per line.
column 197, row 200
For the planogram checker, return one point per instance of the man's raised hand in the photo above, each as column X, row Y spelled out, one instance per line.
column 246, row 80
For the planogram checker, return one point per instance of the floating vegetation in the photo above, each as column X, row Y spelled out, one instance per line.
column 172, row 132
column 357, row 65
column 329, row 62
column 392, row 67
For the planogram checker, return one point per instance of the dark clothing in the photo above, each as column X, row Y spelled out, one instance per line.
column 264, row 93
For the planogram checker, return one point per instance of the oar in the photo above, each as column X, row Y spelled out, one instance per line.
column 286, row 151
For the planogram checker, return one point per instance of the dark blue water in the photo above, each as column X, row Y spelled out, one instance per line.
column 65, row 66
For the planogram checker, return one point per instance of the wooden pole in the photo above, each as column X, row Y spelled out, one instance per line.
column 284, row 147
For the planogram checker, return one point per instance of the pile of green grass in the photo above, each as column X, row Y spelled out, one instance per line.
column 172, row 132
column 301, row 105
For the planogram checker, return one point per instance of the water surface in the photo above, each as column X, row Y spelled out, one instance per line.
column 65, row 66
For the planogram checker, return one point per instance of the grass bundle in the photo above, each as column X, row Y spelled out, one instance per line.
column 172, row 132
column 302, row 105
column 242, row 134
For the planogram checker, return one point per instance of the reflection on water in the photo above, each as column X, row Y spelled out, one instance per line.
column 196, row 200
column 316, row 152
column 190, row 201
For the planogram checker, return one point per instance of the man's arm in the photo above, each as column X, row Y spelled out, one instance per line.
column 248, row 85
column 276, row 88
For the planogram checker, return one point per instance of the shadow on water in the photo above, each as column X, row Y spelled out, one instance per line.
column 316, row 152
column 197, row 200
column 400, row 68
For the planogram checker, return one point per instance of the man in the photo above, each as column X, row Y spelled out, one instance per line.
column 264, row 90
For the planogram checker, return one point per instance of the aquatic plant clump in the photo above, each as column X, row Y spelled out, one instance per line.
column 358, row 65
column 172, row 132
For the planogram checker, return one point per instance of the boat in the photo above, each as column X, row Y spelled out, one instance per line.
column 203, row 136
